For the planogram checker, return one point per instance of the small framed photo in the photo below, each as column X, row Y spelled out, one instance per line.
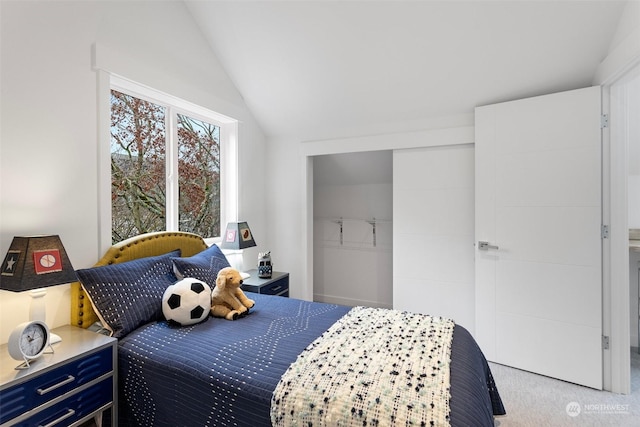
column 230, row 237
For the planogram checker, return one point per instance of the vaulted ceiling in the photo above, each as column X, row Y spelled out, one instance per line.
column 325, row 69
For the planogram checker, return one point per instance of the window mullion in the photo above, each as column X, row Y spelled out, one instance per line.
column 172, row 188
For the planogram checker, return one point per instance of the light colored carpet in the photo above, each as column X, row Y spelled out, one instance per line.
column 535, row 400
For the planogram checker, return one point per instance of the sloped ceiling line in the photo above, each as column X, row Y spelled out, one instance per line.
column 326, row 69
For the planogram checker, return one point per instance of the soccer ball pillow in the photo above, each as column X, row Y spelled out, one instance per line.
column 187, row 301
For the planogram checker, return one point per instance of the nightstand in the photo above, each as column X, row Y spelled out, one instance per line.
column 74, row 384
column 278, row 284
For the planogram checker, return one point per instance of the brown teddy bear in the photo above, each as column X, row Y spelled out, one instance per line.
column 227, row 299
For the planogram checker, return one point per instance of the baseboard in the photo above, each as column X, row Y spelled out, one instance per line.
column 331, row 299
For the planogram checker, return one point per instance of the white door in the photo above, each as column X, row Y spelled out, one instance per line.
column 538, row 200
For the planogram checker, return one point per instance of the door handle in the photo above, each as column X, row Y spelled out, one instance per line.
column 485, row 246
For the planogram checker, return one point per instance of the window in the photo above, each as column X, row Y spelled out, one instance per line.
column 168, row 165
column 138, row 165
column 198, row 176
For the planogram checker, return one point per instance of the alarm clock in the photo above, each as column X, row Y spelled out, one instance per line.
column 28, row 341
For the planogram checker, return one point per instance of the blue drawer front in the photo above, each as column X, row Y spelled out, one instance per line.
column 33, row 393
column 279, row 287
column 74, row 408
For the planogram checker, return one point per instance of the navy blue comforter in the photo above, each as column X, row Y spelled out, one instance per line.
column 223, row 373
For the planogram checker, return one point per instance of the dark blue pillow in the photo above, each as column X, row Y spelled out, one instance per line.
column 202, row 266
column 128, row 295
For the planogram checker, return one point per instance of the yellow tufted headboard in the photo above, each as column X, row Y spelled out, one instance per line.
column 144, row 245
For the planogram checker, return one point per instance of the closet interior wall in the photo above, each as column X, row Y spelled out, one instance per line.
column 352, row 261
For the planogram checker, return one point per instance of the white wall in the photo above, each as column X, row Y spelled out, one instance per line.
column 634, row 201
column 48, row 125
column 634, row 153
column 634, row 284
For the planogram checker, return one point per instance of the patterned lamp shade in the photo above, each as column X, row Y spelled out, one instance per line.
column 35, row 262
column 237, row 236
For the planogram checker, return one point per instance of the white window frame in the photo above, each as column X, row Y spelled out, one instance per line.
column 174, row 105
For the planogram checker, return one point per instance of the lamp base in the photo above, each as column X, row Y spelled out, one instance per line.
column 54, row 338
column 38, row 311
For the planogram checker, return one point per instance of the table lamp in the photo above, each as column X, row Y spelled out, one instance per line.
column 32, row 264
column 237, row 237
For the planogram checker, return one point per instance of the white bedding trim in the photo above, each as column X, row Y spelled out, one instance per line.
column 373, row 367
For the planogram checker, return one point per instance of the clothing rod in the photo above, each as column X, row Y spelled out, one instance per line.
column 336, row 219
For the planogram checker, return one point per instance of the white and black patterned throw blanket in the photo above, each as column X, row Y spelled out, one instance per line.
column 374, row 367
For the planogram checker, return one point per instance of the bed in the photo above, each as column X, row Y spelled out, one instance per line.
column 288, row 362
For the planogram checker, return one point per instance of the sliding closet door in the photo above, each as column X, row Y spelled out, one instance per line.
column 433, row 269
column 538, row 208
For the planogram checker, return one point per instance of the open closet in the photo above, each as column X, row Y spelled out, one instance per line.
column 352, row 215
